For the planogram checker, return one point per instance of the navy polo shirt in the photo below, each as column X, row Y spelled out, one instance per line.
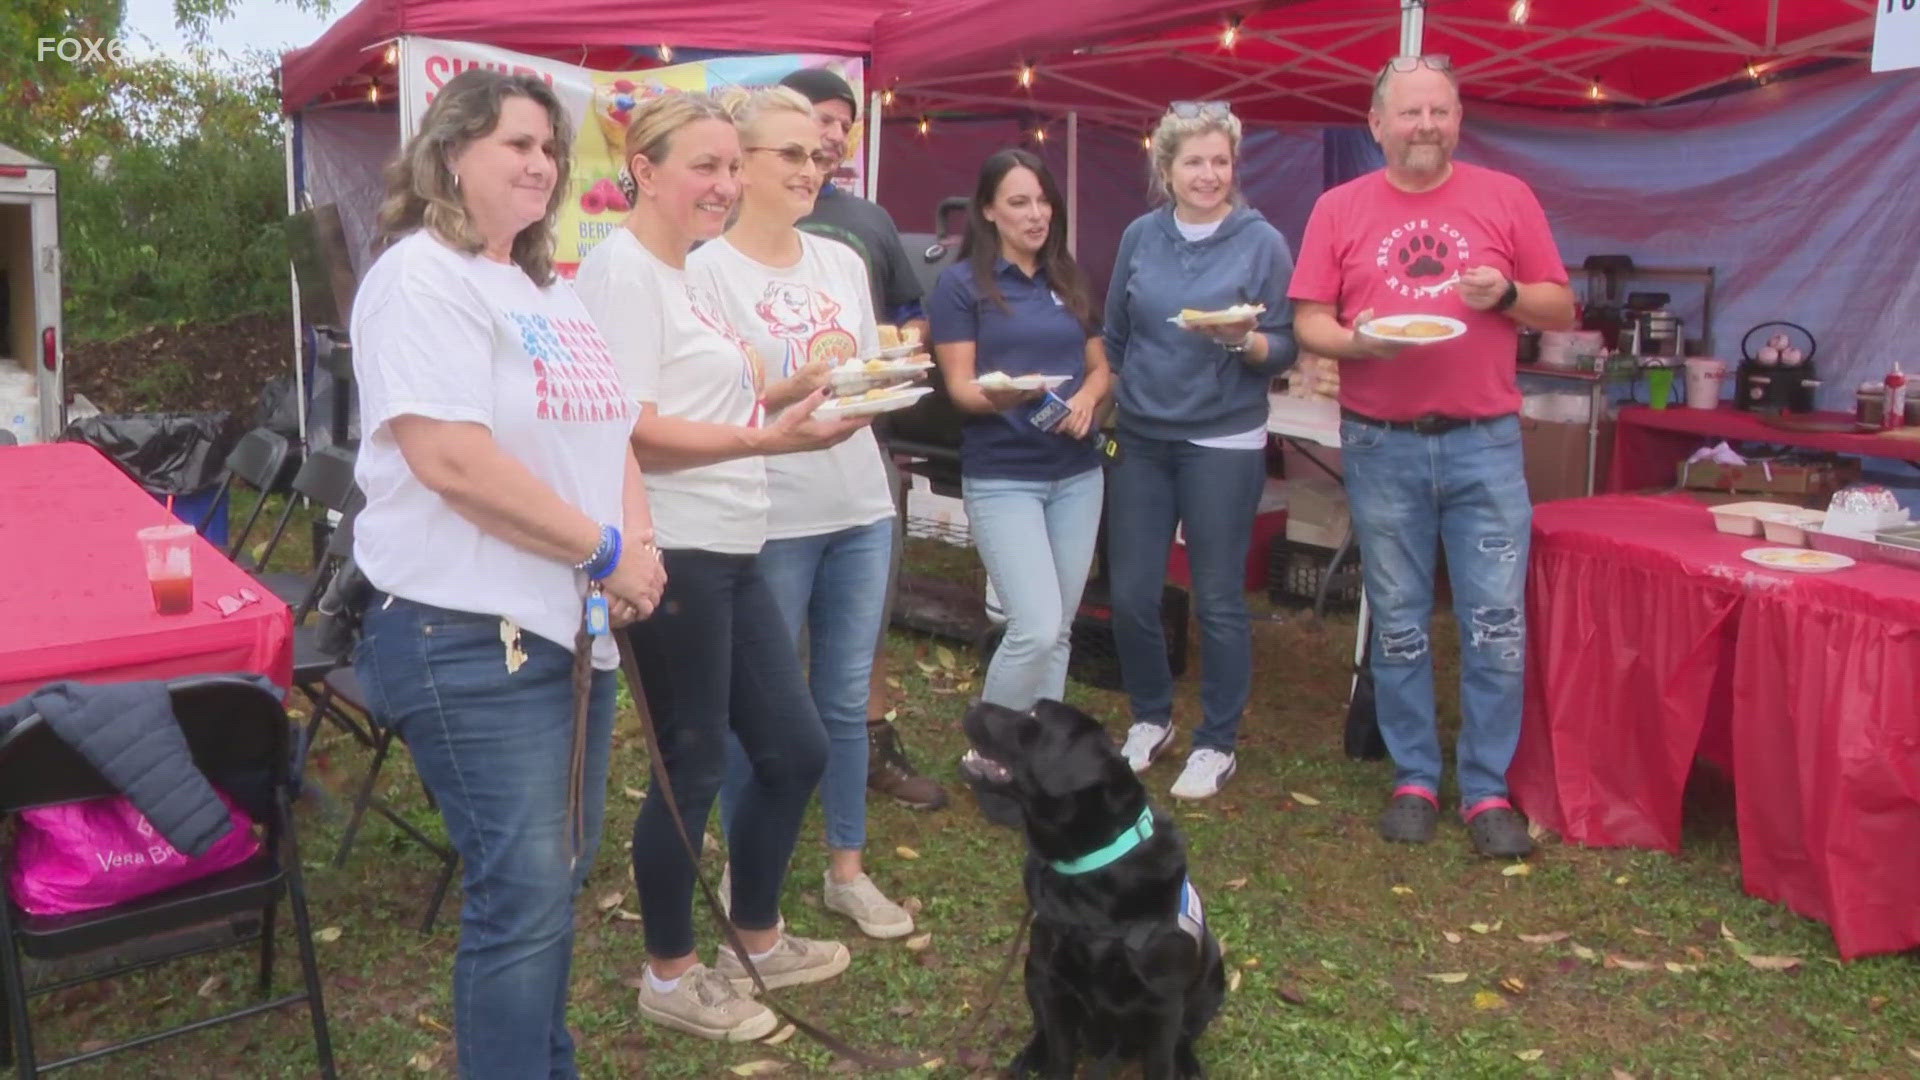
column 1033, row 334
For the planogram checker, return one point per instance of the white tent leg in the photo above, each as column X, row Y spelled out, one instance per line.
column 1073, row 184
column 1363, row 626
column 874, row 119
column 1413, row 26
column 293, row 285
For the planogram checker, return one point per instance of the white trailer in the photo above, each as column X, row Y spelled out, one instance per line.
column 32, row 366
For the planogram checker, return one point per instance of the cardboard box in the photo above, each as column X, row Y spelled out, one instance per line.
column 1317, row 511
column 1806, row 479
column 1556, row 458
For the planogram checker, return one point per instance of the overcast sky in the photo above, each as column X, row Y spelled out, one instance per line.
column 276, row 25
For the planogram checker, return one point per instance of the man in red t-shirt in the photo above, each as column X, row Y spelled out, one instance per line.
column 1429, row 432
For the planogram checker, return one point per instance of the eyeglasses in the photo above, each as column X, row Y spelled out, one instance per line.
column 1408, row 64
column 797, row 157
column 231, row 605
column 1193, row 110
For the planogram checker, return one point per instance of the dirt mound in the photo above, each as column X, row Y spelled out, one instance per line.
column 204, row 367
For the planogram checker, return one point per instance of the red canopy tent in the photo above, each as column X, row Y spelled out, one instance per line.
column 1120, row 61
column 350, row 57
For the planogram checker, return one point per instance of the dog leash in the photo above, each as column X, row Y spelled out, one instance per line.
column 833, row 1043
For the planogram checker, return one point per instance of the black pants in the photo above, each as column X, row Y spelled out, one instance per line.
column 716, row 657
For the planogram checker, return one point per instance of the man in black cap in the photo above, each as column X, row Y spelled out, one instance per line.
column 868, row 229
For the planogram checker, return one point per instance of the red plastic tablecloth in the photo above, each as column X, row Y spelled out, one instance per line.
column 1649, row 444
column 74, row 601
column 1652, row 640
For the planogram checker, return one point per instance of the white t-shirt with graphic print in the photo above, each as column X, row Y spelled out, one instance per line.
column 675, row 348
column 820, row 306
column 441, row 334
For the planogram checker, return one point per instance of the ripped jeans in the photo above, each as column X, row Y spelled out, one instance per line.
column 1411, row 493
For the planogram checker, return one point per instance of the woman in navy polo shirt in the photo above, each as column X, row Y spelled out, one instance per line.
column 1015, row 303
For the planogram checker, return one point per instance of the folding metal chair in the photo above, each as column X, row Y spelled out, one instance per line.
column 257, row 459
column 237, row 732
column 325, row 479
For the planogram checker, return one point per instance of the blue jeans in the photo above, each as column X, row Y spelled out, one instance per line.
column 717, row 660
column 832, row 587
column 1159, row 484
column 1412, row 493
column 1036, row 539
column 493, row 746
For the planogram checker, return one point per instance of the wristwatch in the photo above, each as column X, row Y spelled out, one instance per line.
column 1241, row 345
column 1508, row 298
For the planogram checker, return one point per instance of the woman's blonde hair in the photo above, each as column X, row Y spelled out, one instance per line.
column 751, row 108
column 650, row 132
column 1174, row 130
column 423, row 193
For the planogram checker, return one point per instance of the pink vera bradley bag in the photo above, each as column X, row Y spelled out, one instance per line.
column 100, row 852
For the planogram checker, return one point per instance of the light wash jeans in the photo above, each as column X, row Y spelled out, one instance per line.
column 833, row 588
column 1159, row 484
column 1036, row 539
column 492, row 745
column 1412, row 493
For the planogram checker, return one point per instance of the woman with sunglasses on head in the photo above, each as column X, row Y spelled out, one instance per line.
column 803, row 303
column 1192, row 423
column 715, row 660
column 1016, row 304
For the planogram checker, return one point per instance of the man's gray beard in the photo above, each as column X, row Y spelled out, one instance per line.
column 1425, row 159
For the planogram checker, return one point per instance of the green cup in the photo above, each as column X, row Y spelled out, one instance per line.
column 1659, row 387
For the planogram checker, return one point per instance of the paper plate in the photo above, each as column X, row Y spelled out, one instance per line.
column 882, row 402
column 897, row 351
column 1432, row 328
column 1000, row 380
column 1236, row 313
column 1797, row 560
column 857, row 377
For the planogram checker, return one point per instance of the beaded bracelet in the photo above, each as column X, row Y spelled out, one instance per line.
column 604, row 558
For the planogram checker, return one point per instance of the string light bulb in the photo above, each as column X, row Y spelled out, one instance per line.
column 925, row 125
column 886, row 99
column 1039, row 134
column 1595, row 92
column 1026, row 75
column 373, row 94
column 666, row 53
column 1753, row 71
column 1146, row 142
column 1231, row 34
column 1517, row 14
column 393, row 53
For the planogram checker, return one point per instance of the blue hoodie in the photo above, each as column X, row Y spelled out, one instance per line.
column 1176, row 384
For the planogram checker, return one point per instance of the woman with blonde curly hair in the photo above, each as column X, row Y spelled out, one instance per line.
column 503, row 504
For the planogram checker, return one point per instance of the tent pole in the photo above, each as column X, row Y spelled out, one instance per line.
column 874, row 120
column 1073, row 184
column 1413, row 26
column 293, row 285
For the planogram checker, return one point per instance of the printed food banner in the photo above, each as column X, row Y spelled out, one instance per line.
column 599, row 103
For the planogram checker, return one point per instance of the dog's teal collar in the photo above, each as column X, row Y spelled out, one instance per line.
column 1136, row 834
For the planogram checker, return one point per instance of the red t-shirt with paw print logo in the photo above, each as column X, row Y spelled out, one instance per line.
column 1371, row 245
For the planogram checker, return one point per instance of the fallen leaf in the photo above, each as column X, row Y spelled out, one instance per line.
column 1773, row 963
column 1913, row 1053
column 1452, row 938
column 610, row 901
column 763, row 1067
column 1680, row 969
column 894, row 683
column 1237, row 884
column 431, row 1024
column 327, row 936
column 1584, row 953
column 1330, row 965
column 1876, row 1003
column 1546, row 939
column 1402, row 890
column 786, row 1032
column 1518, row 869
column 1621, row 1074
column 1625, row 964
column 625, row 916
column 934, row 1063
column 911, row 905
column 1644, row 933
column 1695, row 952
column 1233, row 980
column 919, row 942
column 1250, row 963
column 1303, row 800
column 633, row 793
column 423, row 1061
column 1726, row 933
column 1513, row 985
column 1487, row 999
column 903, row 1011
column 926, row 668
column 1196, row 816
column 1623, row 879
column 945, row 656
column 906, row 852
column 1479, row 927
column 1448, row 977
column 1529, row 1055
column 213, row 983
column 963, row 686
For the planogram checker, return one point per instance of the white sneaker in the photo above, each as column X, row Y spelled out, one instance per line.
column 1206, row 770
column 794, row 961
column 1144, row 743
column 704, row 1002
column 863, row 902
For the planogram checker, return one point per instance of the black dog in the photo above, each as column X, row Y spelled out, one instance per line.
column 1122, row 967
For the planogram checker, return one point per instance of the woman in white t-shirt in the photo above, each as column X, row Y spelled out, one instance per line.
column 718, row 657
column 501, row 496
column 802, row 301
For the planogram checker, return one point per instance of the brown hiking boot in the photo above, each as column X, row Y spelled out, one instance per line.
column 890, row 773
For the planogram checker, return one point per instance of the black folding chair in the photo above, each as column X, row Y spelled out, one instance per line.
column 257, row 459
column 238, row 734
column 330, row 684
column 7, row 438
column 325, row 479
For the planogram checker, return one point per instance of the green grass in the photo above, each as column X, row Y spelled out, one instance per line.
column 1333, row 962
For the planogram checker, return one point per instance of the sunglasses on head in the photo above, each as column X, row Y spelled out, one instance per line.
column 797, row 157
column 1408, row 64
column 1193, row 110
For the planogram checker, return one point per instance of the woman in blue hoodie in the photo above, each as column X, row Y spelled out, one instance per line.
column 1192, row 423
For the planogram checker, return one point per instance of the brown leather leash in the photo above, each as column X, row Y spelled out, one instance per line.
column 963, row 1031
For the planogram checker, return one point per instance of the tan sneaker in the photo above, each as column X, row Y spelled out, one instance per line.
column 863, row 902
column 795, row 961
column 705, row 1003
